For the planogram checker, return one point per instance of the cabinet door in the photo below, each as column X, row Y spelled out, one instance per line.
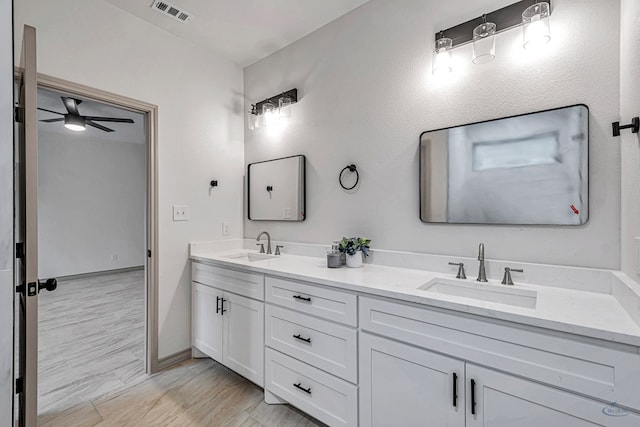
column 505, row 400
column 206, row 328
column 243, row 342
column 401, row 385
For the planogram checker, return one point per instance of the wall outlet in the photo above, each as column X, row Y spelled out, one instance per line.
column 286, row 213
column 226, row 228
column 114, row 257
column 180, row 213
column 637, row 240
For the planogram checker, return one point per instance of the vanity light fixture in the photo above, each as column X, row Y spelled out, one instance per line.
column 442, row 55
column 533, row 15
column 535, row 26
column 484, row 42
column 75, row 123
column 272, row 110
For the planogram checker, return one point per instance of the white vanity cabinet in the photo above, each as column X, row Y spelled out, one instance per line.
column 311, row 356
column 436, row 377
column 227, row 326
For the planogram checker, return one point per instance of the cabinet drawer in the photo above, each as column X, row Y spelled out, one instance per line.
column 589, row 368
column 241, row 283
column 321, row 395
column 311, row 299
column 326, row 345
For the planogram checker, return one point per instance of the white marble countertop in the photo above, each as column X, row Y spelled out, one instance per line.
column 592, row 314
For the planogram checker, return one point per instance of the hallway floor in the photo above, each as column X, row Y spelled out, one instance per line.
column 91, row 339
column 198, row 392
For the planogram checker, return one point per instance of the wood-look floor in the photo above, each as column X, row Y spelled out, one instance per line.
column 199, row 392
column 91, row 339
column 91, row 370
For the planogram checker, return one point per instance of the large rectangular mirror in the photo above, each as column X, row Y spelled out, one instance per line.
column 527, row 169
column 276, row 189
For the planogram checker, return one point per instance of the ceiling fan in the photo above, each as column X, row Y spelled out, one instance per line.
column 73, row 120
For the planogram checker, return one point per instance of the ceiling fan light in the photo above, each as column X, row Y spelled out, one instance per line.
column 74, row 123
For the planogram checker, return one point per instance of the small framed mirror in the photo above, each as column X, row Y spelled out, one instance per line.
column 276, row 189
column 531, row 169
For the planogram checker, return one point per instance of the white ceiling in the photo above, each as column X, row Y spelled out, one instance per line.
column 127, row 132
column 245, row 31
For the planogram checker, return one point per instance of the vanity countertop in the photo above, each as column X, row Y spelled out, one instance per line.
column 590, row 314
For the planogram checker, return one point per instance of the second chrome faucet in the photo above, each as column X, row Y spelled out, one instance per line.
column 482, row 274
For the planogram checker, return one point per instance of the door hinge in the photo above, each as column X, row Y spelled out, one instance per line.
column 148, row 253
column 20, row 250
column 19, row 385
column 19, row 114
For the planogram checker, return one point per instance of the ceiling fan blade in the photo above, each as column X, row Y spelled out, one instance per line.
column 59, row 119
column 109, row 119
column 97, row 126
column 50, row 111
column 71, row 105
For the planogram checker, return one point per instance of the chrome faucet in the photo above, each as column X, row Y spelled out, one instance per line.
column 268, row 241
column 482, row 275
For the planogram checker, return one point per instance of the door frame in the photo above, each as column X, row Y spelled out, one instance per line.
column 151, row 221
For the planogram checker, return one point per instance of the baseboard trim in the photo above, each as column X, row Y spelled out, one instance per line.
column 174, row 359
column 100, row 273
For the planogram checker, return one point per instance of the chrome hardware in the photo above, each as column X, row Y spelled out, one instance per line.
column 460, row 274
column 482, row 275
column 278, row 249
column 261, row 247
column 506, row 280
column 268, row 241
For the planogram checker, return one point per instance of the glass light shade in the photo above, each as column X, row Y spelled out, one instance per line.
column 535, row 26
column 284, row 108
column 484, row 43
column 74, row 123
column 251, row 114
column 442, row 56
column 269, row 113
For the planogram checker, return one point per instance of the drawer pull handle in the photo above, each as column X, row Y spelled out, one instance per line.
column 455, row 390
column 473, row 396
column 299, row 337
column 300, row 297
column 299, row 387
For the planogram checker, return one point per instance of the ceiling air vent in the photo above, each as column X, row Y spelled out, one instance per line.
column 171, row 10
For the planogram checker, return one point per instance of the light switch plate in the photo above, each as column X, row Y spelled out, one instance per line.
column 637, row 240
column 180, row 213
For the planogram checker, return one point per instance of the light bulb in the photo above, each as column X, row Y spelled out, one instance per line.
column 535, row 26
column 442, row 56
column 269, row 114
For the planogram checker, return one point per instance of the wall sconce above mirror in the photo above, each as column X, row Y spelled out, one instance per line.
column 531, row 169
column 270, row 111
column 276, row 189
column 532, row 15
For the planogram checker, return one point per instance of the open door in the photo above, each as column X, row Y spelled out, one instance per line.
column 26, row 236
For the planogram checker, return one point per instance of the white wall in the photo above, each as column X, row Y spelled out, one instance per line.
column 630, row 143
column 91, row 201
column 200, row 134
column 6, row 215
column 367, row 93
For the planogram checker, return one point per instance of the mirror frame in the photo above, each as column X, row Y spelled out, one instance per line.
column 303, row 189
column 588, row 162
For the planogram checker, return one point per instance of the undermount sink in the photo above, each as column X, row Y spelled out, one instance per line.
column 500, row 294
column 249, row 256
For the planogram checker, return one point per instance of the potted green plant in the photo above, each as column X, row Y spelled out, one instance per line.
column 355, row 249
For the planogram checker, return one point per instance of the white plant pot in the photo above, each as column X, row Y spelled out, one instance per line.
column 355, row 260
